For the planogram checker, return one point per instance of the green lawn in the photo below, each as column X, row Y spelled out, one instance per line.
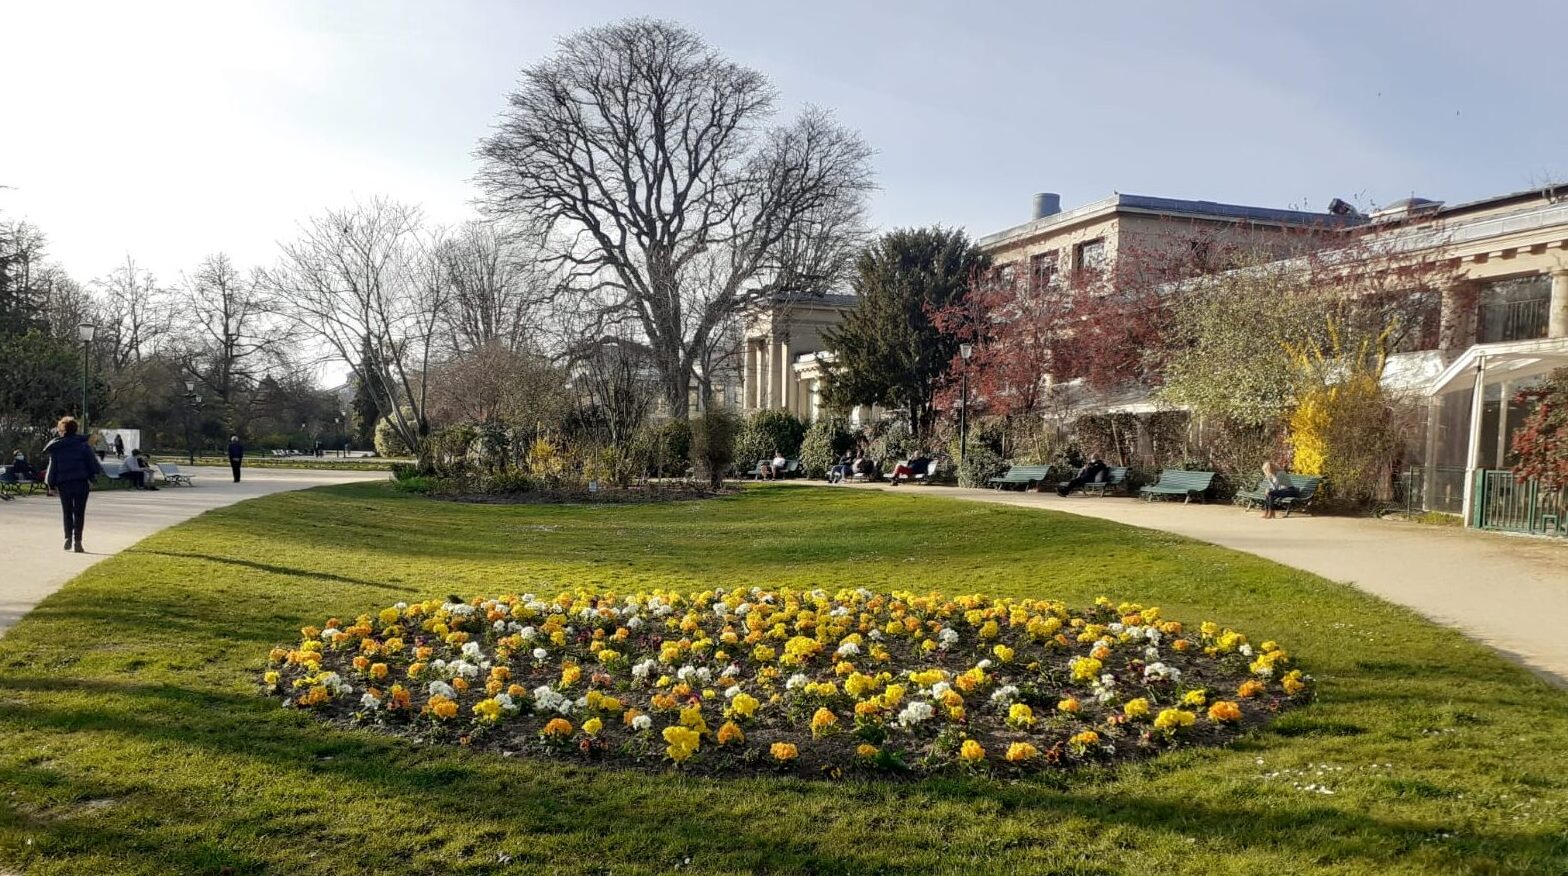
column 135, row 741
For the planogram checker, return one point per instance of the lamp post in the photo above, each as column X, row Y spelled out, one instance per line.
column 85, row 331
column 965, row 350
column 337, row 430
column 191, row 400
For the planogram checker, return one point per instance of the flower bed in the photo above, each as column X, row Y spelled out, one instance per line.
column 798, row 682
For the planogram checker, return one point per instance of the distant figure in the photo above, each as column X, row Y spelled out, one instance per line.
column 919, row 464
column 843, row 470
column 236, row 455
column 72, row 468
column 1279, row 487
column 119, row 447
column 20, row 466
column 865, row 466
column 136, row 470
column 1094, row 470
column 775, row 467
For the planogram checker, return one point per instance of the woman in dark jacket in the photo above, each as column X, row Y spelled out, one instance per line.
column 72, row 468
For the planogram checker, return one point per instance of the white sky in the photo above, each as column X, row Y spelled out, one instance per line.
column 169, row 130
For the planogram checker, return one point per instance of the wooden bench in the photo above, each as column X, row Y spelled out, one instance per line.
column 1177, row 482
column 1255, row 497
column 1023, row 475
column 1115, row 479
column 173, row 476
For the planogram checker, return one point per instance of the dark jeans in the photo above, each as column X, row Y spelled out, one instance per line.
column 841, row 471
column 1088, row 474
column 73, row 506
column 1271, row 499
column 235, row 464
column 138, row 479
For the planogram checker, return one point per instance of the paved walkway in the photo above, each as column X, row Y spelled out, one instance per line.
column 1510, row 593
column 35, row 566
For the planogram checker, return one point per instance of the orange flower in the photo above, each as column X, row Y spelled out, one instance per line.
column 1250, row 688
column 1224, row 710
column 559, row 728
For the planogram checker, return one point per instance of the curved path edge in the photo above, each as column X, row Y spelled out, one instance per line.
column 32, row 564
column 1508, row 592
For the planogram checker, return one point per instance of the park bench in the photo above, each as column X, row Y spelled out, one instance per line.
column 1177, row 482
column 173, row 476
column 1255, row 497
column 1115, row 478
column 792, row 469
column 1023, row 475
column 12, row 484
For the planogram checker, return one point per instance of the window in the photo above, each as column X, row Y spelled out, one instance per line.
column 1089, row 257
column 1042, row 270
column 1513, row 310
column 1005, row 273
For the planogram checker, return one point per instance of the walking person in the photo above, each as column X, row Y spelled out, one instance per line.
column 119, row 447
column 236, row 455
column 72, row 468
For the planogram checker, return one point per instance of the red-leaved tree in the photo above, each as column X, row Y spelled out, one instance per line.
column 1542, row 441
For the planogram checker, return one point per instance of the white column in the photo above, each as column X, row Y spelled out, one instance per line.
column 753, row 376
column 1473, row 454
column 1557, row 322
column 786, row 378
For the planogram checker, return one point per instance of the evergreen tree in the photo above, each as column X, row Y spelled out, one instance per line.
column 364, row 411
column 888, row 351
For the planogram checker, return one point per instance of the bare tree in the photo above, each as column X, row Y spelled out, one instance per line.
column 136, row 312
column 235, row 339
column 672, row 208
column 365, row 277
column 498, row 288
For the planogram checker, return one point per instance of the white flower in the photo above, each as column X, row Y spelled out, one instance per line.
column 731, row 691
column 540, row 654
column 633, row 622
column 471, row 650
column 848, row 649
column 940, row 688
column 498, row 626
column 505, row 701
column 1162, row 672
column 948, row 636
column 528, row 633
column 1151, row 653
column 915, row 712
column 1246, row 650
column 685, row 673
column 1004, row 694
column 641, row 670
column 642, row 722
column 798, row 680
column 440, row 688
column 370, row 702
column 984, row 664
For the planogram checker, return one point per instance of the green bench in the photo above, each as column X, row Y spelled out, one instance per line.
column 1176, row 482
column 1023, row 475
column 1115, row 478
column 1255, row 497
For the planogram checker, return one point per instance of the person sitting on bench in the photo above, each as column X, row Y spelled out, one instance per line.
column 134, row 469
column 1279, row 487
column 844, row 468
column 919, row 464
column 774, row 468
column 1094, row 470
column 20, row 466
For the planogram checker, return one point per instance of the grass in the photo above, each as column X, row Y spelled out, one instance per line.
column 135, row 741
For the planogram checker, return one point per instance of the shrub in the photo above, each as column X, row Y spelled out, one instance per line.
column 713, row 444
column 767, row 432
column 828, row 438
column 1542, row 441
column 663, row 450
column 1351, row 434
column 980, row 464
column 892, row 441
column 388, row 443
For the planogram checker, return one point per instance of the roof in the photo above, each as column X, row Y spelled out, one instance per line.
column 1173, row 207
column 1496, row 363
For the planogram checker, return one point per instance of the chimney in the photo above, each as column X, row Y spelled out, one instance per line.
column 1047, row 204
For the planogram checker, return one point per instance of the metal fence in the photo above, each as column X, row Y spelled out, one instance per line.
column 1506, row 504
column 1445, row 493
column 1513, row 320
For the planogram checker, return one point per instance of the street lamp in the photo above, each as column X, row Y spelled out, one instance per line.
column 85, row 331
column 965, row 350
column 191, row 401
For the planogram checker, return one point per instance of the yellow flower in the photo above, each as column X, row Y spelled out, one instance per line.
column 560, row 728
column 1195, row 698
column 893, row 694
column 691, row 718
column 1086, row 669
column 1293, row 682
column 682, row 741
column 1069, row 705
column 441, row 707
column 592, row 726
column 1174, row 719
column 488, row 710
column 1020, row 715
column 744, row 705
column 989, row 630
column 971, row 751
column 783, row 752
column 570, row 674
column 865, row 751
column 379, row 670
column 729, row 732
column 1137, row 708
column 1019, row 752
column 1003, row 653
column 1082, row 741
column 763, row 654
column 1224, row 710
column 272, row 677
column 822, row 721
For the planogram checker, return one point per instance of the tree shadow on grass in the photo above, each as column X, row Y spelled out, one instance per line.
column 274, row 569
column 674, row 813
